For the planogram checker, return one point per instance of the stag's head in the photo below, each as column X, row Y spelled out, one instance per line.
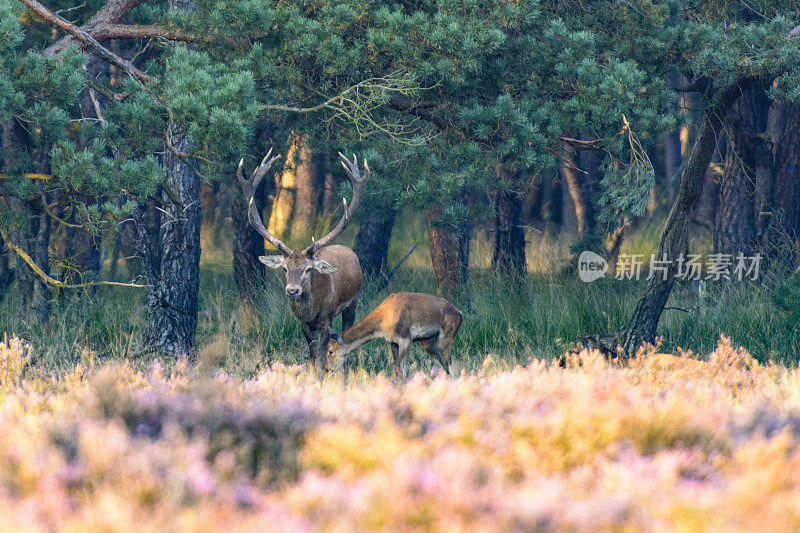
column 299, row 264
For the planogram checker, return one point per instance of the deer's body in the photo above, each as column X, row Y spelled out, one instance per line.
column 322, row 280
column 328, row 295
column 403, row 318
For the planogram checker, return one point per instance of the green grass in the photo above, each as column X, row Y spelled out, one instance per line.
column 511, row 320
column 541, row 316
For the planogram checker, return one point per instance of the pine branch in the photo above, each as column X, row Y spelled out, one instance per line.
column 113, row 12
column 89, row 41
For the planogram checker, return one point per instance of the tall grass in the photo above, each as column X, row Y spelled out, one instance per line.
column 513, row 320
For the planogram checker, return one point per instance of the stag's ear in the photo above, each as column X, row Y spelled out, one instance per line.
column 273, row 261
column 323, row 266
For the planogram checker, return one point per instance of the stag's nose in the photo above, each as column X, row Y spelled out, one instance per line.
column 292, row 292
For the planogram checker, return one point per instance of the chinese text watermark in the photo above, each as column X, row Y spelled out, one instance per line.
column 716, row 267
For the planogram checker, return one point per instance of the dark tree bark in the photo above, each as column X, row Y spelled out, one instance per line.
column 533, row 203
column 372, row 241
column 35, row 295
column 464, row 236
column 748, row 156
column 782, row 235
column 644, row 322
column 673, row 149
column 445, row 255
column 6, row 272
column 554, row 207
column 509, row 237
column 80, row 249
column 173, row 277
column 248, row 245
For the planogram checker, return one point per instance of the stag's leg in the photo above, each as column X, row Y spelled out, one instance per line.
column 321, row 358
column 311, row 337
column 349, row 315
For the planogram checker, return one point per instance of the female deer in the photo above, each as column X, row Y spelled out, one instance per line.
column 402, row 318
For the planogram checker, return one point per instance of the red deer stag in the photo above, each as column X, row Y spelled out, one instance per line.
column 402, row 318
column 321, row 281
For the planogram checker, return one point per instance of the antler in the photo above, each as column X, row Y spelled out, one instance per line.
column 351, row 167
column 249, row 189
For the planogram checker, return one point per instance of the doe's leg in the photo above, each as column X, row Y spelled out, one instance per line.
column 432, row 347
column 311, row 338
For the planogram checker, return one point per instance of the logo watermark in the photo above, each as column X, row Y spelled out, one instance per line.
column 591, row 266
column 716, row 267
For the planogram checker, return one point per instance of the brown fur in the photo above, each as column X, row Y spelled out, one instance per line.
column 328, row 283
column 321, row 281
column 403, row 318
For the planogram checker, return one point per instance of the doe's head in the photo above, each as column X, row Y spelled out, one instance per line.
column 336, row 353
column 298, row 266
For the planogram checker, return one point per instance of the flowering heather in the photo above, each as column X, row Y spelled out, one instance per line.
column 662, row 443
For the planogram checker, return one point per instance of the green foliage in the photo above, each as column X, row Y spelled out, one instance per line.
column 487, row 82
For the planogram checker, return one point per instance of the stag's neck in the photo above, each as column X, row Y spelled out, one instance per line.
column 303, row 308
column 314, row 302
column 369, row 328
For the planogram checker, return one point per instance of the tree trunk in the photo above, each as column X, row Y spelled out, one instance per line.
column 748, row 156
column 248, row 245
column 35, row 295
column 445, row 255
column 79, row 248
column 310, row 182
column 174, row 277
column 782, row 238
column 6, row 272
column 554, row 208
column 286, row 191
column 509, row 237
column 644, row 322
column 372, row 241
column 579, row 192
column 673, row 149
column 464, row 236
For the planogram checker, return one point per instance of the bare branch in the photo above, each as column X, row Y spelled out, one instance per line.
column 88, row 41
column 360, row 105
column 114, row 11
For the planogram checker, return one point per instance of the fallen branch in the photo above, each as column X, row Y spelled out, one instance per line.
column 56, row 283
